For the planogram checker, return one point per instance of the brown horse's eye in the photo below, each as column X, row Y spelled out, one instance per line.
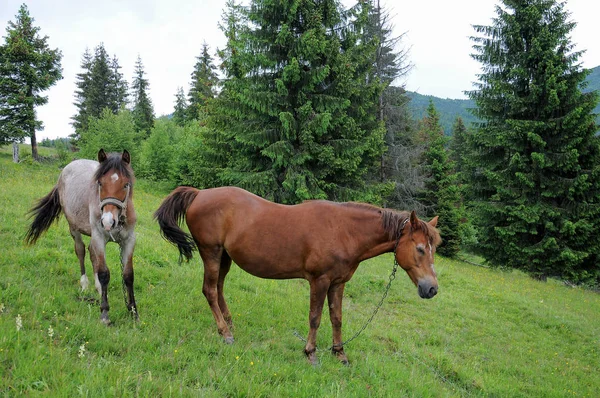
column 421, row 250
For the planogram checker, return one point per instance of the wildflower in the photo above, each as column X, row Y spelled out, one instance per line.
column 19, row 322
column 50, row 331
column 237, row 358
column 251, row 363
column 81, row 351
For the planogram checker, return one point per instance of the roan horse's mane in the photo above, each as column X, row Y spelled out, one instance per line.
column 393, row 221
column 113, row 162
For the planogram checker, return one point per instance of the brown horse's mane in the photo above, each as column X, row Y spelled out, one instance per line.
column 114, row 162
column 393, row 221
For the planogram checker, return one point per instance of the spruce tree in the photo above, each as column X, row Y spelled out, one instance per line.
column 143, row 112
column 296, row 106
column 441, row 195
column 82, row 94
column 99, row 93
column 203, row 85
column 537, row 186
column 180, row 111
column 459, row 148
column 117, row 88
column 28, row 67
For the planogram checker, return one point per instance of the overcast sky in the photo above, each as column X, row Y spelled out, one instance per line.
column 168, row 35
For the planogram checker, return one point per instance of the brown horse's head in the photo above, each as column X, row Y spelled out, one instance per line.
column 114, row 178
column 415, row 253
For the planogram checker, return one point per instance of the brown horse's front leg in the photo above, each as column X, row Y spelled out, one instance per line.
column 128, row 278
column 102, row 274
column 334, row 297
column 318, row 291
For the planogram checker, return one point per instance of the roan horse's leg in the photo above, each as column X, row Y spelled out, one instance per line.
column 223, row 271
column 334, row 297
column 211, row 257
column 80, row 251
column 127, row 262
column 102, row 273
column 318, row 291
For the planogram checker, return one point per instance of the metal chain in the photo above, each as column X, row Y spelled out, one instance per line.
column 385, row 293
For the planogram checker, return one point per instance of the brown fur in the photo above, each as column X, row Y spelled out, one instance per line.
column 320, row 241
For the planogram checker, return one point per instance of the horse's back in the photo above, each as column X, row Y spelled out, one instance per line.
column 75, row 185
column 264, row 238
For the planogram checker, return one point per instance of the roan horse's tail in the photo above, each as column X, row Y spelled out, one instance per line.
column 170, row 214
column 45, row 212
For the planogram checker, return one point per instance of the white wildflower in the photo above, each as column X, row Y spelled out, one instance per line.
column 19, row 322
column 50, row 331
column 81, row 351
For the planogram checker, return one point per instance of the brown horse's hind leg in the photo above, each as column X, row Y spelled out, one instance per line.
column 223, row 271
column 334, row 297
column 318, row 291
column 80, row 251
column 212, row 265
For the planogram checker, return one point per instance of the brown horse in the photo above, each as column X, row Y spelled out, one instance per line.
column 320, row 241
column 97, row 199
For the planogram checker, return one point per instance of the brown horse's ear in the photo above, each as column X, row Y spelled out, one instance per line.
column 434, row 221
column 414, row 220
column 126, row 157
column 101, row 155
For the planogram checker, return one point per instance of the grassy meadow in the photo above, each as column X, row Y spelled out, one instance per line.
column 487, row 333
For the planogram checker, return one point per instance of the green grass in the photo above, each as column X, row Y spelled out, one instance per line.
column 487, row 333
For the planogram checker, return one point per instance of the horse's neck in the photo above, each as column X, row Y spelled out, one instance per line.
column 371, row 237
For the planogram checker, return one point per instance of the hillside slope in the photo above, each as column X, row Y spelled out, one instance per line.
column 451, row 108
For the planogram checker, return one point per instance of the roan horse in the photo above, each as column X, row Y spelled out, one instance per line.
column 320, row 241
column 96, row 198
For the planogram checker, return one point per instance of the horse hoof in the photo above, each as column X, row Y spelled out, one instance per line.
column 105, row 321
column 229, row 340
column 341, row 356
column 312, row 358
column 84, row 282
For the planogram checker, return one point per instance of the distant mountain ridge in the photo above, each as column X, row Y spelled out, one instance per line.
column 449, row 109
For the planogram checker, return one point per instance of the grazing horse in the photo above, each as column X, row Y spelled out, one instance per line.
column 320, row 241
column 97, row 199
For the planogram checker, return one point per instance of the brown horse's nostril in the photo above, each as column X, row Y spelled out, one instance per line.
column 427, row 291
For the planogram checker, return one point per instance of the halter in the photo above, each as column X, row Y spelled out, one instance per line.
column 122, row 205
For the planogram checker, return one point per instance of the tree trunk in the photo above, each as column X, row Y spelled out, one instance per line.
column 15, row 152
column 34, row 147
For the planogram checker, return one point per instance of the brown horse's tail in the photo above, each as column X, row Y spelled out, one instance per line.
column 45, row 212
column 170, row 214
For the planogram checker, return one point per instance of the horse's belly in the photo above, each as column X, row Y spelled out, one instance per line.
column 269, row 269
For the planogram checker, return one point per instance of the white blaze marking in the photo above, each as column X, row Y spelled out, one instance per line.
column 114, row 177
column 107, row 220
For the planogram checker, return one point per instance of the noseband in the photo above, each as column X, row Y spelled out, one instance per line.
column 122, row 205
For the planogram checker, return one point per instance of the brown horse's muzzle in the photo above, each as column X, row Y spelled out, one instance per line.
column 427, row 289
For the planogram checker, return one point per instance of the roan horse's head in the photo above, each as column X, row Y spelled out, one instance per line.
column 114, row 178
column 415, row 253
